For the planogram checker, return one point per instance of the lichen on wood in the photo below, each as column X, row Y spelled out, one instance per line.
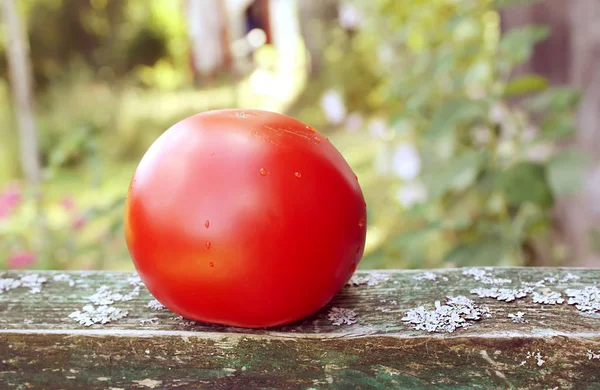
column 522, row 344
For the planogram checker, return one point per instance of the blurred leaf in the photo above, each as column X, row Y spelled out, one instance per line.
column 558, row 126
column 525, row 84
column 410, row 237
column 485, row 251
column 525, row 182
column 499, row 4
column 565, row 173
column 554, row 99
column 457, row 174
column 95, row 212
column 517, row 44
column 448, row 115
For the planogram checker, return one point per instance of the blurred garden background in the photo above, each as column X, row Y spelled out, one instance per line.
column 473, row 125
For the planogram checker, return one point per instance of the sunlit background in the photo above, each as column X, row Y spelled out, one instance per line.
column 471, row 124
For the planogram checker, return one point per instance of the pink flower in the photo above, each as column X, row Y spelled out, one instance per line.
column 9, row 200
column 354, row 121
column 21, row 259
column 79, row 223
column 68, row 203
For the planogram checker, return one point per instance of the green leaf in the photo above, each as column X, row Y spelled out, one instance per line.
column 565, row 173
column 559, row 126
column 457, row 174
column 412, row 237
column 499, row 4
column 525, row 84
column 485, row 251
column 525, row 182
column 554, row 99
column 516, row 46
column 450, row 114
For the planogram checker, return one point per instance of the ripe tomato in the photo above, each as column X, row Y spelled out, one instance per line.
column 246, row 218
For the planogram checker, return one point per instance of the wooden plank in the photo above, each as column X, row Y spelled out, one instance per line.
column 558, row 346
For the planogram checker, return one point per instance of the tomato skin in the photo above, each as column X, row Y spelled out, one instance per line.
column 245, row 218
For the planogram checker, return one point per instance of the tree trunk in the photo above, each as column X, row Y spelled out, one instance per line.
column 571, row 56
column 207, row 31
column 19, row 66
column 314, row 16
column 582, row 214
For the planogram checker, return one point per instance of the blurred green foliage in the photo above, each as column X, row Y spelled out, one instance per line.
column 457, row 157
column 489, row 172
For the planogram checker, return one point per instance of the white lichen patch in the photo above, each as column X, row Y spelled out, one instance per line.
column 7, row 284
column 587, row 299
column 568, row 277
column 454, row 314
column 372, row 279
column 64, row 278
column 517, row 317
column 101, row 311
column 429, row 276
column 104, row 296
column 32, row 281
column 501, row 294
column 155, row 305
column 149, row 321
column 340, row 316
column 547, row 297
column 91, row 315
column 591, row 355
column 484, row 276
column 135, row 281
column 537, row 356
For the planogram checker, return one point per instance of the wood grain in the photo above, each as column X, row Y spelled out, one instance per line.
column 41, row 347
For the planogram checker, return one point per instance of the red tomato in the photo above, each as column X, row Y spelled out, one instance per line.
column 245, row 218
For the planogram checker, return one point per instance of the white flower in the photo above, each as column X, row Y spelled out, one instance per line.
column 528, row 134
column 333, row 106
column 354, row 121
column 377, row 127
column 481, row 135
column 406, row 162
column 411, row 193
column 349, row 16
column 498, row 113
column 540, row 152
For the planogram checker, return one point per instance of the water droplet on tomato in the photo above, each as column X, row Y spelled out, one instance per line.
column 263, row 172
column 310, row 128
column 317, row 139
column 298, row 175
column 207, row 223
column 211, row 264
column 255, row 133
column 207, row 244
column 357, row 250
column 361, row 222
column 212, row 153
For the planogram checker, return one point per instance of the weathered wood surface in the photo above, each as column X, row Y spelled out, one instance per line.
column 558, row 346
